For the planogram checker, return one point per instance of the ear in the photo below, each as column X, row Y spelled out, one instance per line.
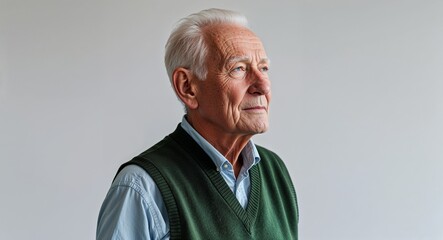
column 182, row 81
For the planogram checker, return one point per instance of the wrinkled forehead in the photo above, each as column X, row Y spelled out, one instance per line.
column 228, row 41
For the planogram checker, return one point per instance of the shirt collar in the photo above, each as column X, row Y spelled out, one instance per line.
column 249, row 153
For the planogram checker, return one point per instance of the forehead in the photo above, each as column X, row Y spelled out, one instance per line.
column 228, row 41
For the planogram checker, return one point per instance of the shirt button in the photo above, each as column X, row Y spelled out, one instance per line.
column 225, row 166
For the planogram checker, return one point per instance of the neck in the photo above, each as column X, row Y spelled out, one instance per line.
column 229, row 145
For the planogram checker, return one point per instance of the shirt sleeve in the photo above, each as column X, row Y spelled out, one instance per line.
column 133, row 208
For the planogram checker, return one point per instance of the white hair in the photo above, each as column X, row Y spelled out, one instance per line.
column 186, row 46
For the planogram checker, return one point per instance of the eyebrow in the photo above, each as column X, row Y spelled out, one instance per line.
column 246, row 59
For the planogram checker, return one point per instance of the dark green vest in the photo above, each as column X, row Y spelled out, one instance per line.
column 200, row 204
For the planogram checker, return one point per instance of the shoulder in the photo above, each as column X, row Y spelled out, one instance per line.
column 133, row 176
column 136, row 178
column 131, row 173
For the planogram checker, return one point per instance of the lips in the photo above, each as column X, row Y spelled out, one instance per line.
column 257, row 104
column 255, row 108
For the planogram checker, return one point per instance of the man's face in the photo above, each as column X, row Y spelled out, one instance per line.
column 234, row 98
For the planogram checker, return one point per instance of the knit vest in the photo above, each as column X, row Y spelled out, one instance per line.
column 201, row 205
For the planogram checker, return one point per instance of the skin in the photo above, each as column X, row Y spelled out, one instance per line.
column 232, row 103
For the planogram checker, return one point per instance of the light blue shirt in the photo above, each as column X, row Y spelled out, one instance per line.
column 134, row 208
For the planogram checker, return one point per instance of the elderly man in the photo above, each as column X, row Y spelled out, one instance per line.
column 207, row 179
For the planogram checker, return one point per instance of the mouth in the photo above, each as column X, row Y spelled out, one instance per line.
column 255, row 108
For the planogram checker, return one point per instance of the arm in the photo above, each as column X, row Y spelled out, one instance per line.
column 133, row 208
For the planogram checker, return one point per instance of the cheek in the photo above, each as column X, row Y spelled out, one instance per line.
column 238, row 94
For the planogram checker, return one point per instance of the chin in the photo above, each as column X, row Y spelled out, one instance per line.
column 260, row 128
column 255, row 126
column 263, row 130
column 260, row 132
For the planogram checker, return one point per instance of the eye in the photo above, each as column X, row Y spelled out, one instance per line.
column 239, row 71
column 264, row 69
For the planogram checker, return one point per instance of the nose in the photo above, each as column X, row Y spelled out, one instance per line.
column 260, row 84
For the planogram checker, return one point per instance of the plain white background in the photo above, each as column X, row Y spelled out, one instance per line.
column 357, row 110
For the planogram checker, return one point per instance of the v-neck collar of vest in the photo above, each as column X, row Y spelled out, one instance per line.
column 248, row 215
